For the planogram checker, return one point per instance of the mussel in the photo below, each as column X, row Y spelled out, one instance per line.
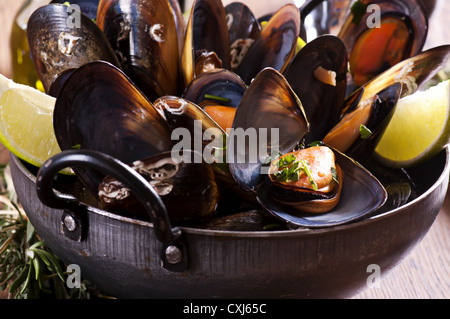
column 308, row 179
column 243, row 28
column 379, row 34
column 318, row 75
column 144, row 35
column 57, row 45
column 276, row 45
column 219, row 93
column 187, row 188
column 99, row 108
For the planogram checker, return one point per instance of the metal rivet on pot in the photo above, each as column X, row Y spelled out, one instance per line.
column 70, row 223
column 173, row 255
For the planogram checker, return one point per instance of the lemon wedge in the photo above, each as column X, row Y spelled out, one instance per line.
column 26, row 122
column 419, row 128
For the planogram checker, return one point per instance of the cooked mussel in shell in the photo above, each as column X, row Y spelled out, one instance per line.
column 276, row 45
column 187, row 188
column 309, row 180
column 57, row 45
column 144, row 36
column 379, row 34
column 99, row 108
column 318, row 75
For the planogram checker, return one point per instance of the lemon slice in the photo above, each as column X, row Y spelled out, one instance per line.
column 419, row 128
column 26, row 122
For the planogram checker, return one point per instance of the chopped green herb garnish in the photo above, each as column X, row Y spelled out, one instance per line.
column 290, row 170
column 334, row 174
column 358, row 10
column 364, row 131
column 76, row 147
column 217, row 98
column 315, row 143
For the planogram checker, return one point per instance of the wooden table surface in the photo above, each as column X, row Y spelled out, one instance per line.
column 425, row 273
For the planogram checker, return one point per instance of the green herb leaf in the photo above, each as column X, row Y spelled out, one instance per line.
column 291, row 169
column 358, row 10
column 305, row 168
column 315, row 143
column 217, row 98
column 334, row 174
column 364, row 132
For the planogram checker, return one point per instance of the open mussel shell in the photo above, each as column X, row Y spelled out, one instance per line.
column 381, row 113
column 349, row 136
column 372, row 48
column 186, row 186
column 59, row 42
column 220, row 85
column 206, row 31
column 322, row 102
column 270, row 119
column 143, row 34
column 362, row 194
column 100, row 109
column 244, row 29
column 192, row 128
column 276, row 45
column 298, row 194
column 410, row 74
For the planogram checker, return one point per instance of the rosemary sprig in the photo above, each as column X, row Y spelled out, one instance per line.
column 28, row 268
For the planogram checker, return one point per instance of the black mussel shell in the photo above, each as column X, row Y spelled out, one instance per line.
column 206, row 31
column 220, row 85
column 276, row 45
column 143, row 34
column 244, row 29
column 100, row 109
column 192, row 128
column 57, row 43
column 323, row 102
column 270, row 119
column 362, row 195
column 186, row 186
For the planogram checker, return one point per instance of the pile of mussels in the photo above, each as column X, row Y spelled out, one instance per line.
column 233, row 125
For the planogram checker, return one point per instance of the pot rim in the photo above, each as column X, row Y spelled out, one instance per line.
column 269, row 234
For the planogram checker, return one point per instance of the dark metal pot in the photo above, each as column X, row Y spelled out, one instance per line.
column 128, row 258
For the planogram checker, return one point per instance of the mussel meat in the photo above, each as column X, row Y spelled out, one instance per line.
column 308, row 179
column 379, row 34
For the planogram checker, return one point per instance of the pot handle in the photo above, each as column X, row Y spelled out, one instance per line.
column 75, row 223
